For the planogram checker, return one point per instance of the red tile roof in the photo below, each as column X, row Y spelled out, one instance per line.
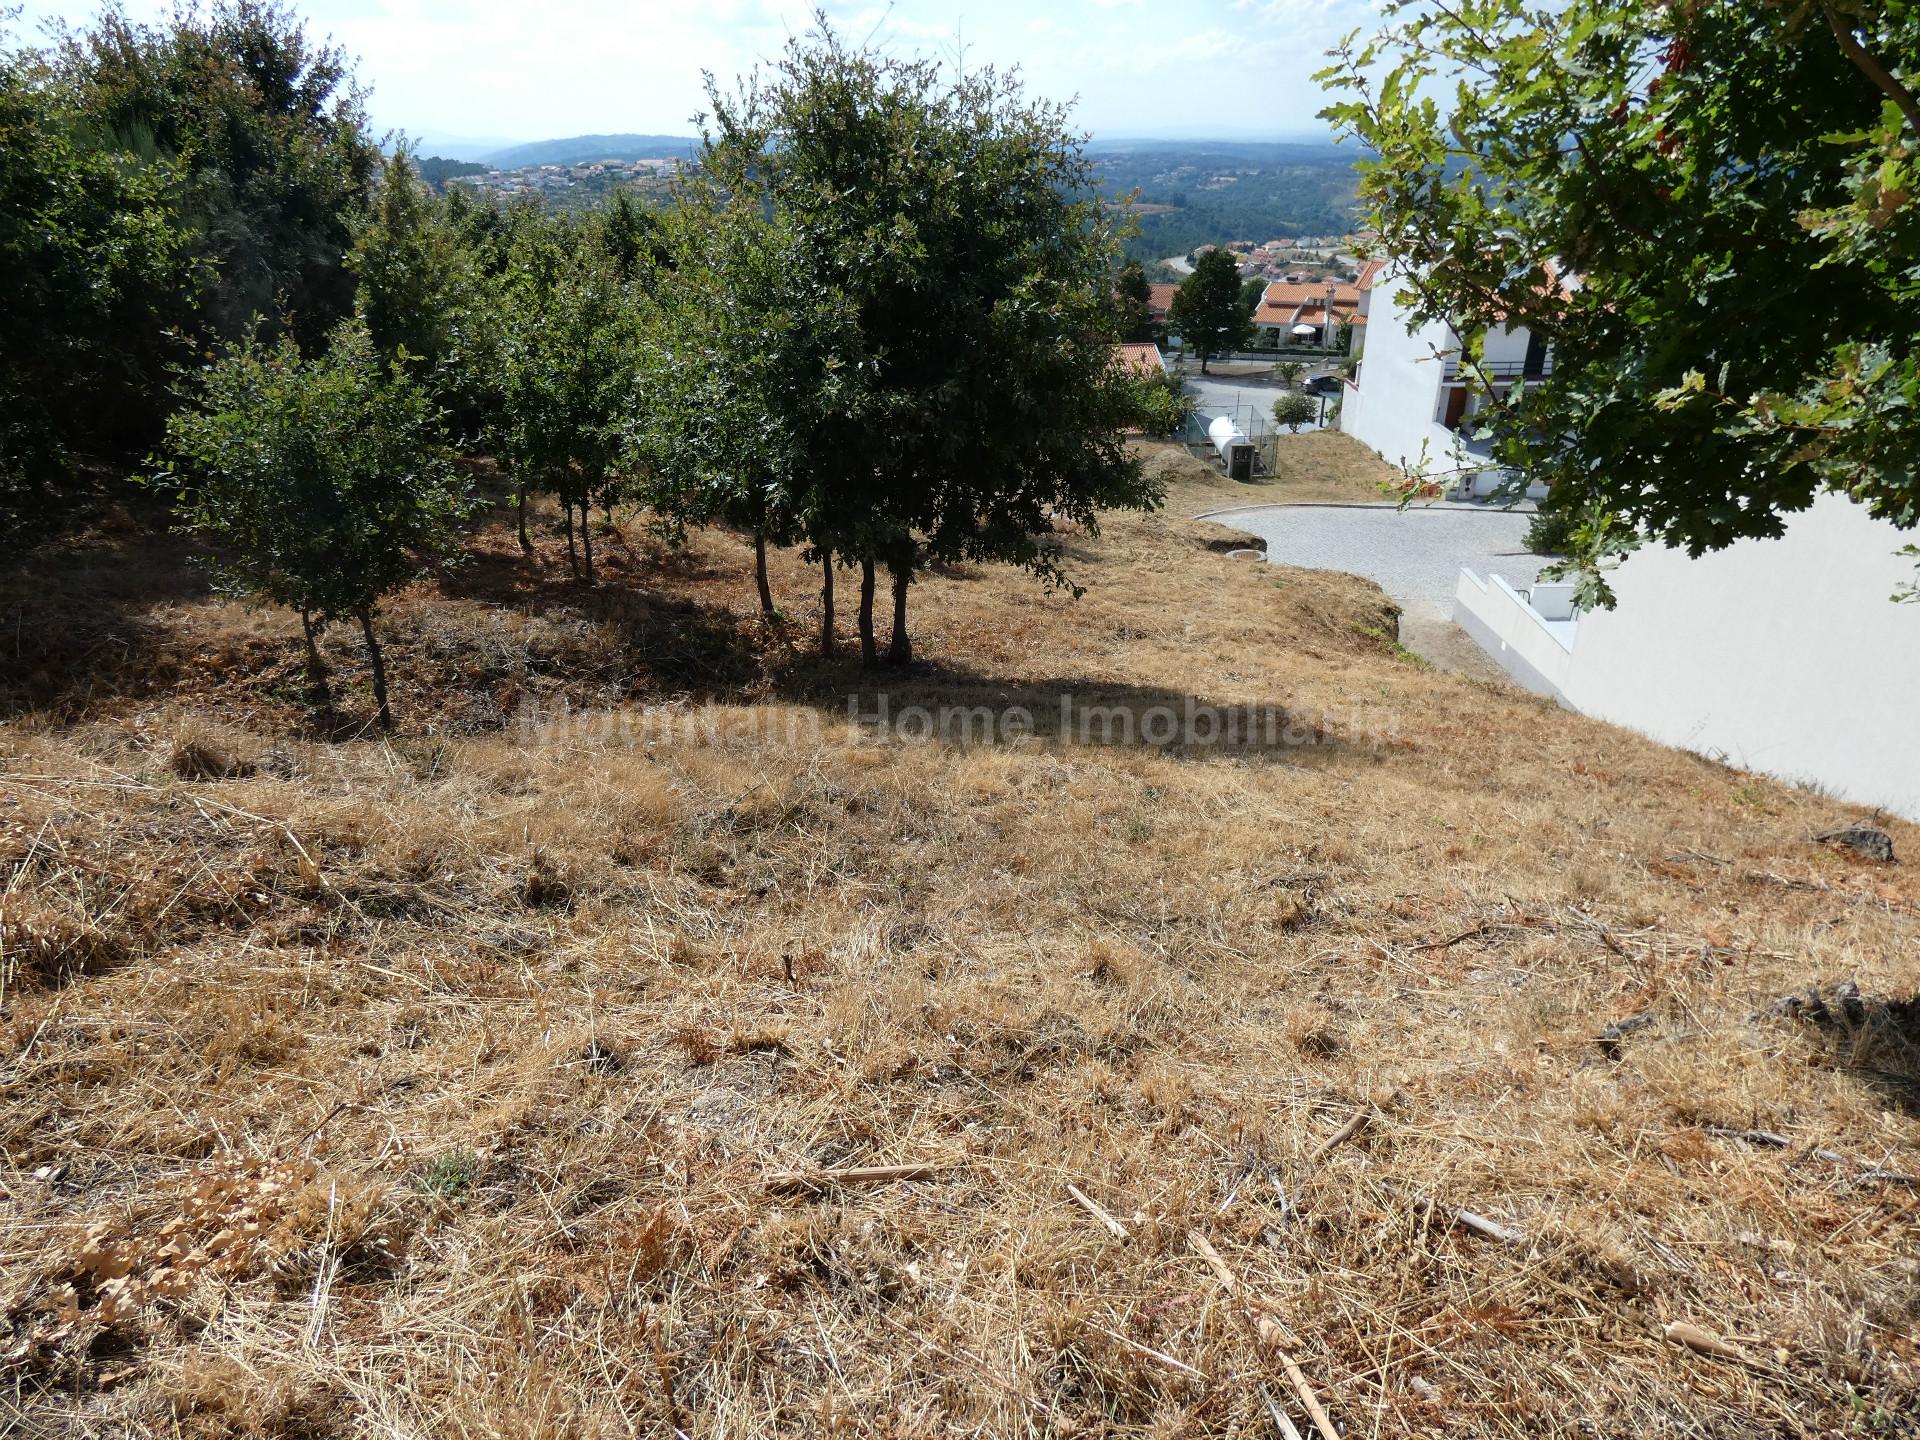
column 1160, row 300
column 1287, row 303
column 1142, row 360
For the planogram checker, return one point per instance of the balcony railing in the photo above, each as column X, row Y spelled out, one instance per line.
column 1498, row 370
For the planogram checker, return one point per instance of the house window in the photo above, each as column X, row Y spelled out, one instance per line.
column 1536, row 362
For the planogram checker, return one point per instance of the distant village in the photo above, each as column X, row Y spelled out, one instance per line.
column 578, row 183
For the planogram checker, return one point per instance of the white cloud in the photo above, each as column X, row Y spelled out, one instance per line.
column 1203, row 45
column 560, row 67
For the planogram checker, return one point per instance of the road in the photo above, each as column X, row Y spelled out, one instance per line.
column 1240, row 398
column 1414, row 555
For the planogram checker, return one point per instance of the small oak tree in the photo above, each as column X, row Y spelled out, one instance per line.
column 951, row 268
column 1133, row 303
column 567, row 349
column 323, row 481
column 1210, row 312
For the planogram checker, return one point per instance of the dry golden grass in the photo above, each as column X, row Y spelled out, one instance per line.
column 445, row 1086
column 1328, row 467
column 1314, row 467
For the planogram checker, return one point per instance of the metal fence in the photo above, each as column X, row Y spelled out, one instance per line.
column 1255, row 422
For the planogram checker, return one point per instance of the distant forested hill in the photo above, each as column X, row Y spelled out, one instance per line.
column 436, row 170
column 584, row 149
column 1196, row 191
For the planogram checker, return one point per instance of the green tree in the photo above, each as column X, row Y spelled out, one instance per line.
column 1133, row 303
column 268, row 134
column 957, row 263
column 1706, row 211
column 1288, row 372
column 732, row 369
column 324, row 480
column 1295, row 408
column 423, row 293
column 97, row 281
column 404, row 268
column 568, row 344
column 1209, row 310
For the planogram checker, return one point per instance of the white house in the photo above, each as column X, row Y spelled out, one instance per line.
column 1410, row 400
column 1785, row 656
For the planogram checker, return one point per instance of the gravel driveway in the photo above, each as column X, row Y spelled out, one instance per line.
column 1414, row 555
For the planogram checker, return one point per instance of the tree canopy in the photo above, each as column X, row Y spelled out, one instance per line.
column 1706, row 210
column 1133, row 303
column 943, row 347
column 1211, row 311
column 162, row 189
column 96, row 279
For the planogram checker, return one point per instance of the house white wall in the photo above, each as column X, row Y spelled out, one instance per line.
column 1395, row 405
column 1784, row 656
column 1391, row 408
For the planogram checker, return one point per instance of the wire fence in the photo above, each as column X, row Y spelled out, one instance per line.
column 1251, row 420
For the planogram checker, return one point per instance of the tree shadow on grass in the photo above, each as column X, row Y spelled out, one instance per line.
column 647, row 633
column 1874, row 1038
column 107, row 616
column 957, row 704
column 77, row 613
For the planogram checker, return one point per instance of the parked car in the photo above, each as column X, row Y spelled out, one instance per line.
column 1325, row 384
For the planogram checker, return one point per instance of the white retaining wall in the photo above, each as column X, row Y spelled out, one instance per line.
column 1784, row 656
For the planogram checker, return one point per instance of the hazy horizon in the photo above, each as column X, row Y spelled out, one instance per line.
column 488, row 75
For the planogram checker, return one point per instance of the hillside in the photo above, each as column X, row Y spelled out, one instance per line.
column 503, row 1078
column 585, row 149
column 1192, row 193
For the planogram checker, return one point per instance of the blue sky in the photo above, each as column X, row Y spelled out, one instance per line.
column 527, row 71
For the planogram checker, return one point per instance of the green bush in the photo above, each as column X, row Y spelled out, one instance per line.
column 323, row 479
column 1295, row 408
column 1164, row 406
column 1550, row 532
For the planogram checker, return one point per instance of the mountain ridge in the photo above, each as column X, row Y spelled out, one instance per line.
column 583, row 149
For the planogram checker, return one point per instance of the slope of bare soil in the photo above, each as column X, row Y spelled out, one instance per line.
column 502, row 1079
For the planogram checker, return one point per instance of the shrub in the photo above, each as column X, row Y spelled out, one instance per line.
column 325, row 481
column 1550, row 532
column 1295, row 408
column 1164, row 406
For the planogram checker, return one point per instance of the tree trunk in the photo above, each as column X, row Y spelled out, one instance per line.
column 526, row 545
column 899, row 647
column 760, row 575
column 319, row 692
column 826, row 602
column 586, row 535
column 379, row 670
column 869, row 653
column 573, row 555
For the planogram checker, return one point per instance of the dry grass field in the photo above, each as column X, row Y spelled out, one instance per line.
column 525, row 1075
column 1326, row 467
